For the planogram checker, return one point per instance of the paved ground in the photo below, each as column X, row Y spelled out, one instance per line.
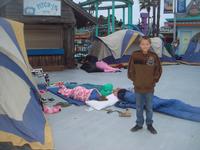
column 75, row 128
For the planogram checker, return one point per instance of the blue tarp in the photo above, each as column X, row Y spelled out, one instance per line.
column 172, row 107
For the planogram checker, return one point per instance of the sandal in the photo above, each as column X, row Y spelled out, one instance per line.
column 51, row 99
column 43, row 100
column 127, row 113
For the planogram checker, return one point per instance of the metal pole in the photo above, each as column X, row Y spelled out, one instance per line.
column 129, row 15
column 131, row 7
column 108, row 21
column 113, row 16
column 148, row 10
column 154, row 18
column 96, row 8
column 123, row 18
column 158, row 19
column 174, row 34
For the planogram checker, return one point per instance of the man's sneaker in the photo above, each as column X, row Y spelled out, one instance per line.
column 151, row 129
column 136, row 128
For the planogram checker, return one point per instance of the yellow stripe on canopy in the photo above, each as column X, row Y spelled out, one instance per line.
column 23, row 66
column 134, row 36
column 18, row 29
column 18, row 141
column 8, row 44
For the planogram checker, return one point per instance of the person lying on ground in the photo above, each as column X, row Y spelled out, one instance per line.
column 81, row 93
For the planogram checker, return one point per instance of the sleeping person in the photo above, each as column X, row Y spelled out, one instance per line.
column 172, row 107
column 81, row 93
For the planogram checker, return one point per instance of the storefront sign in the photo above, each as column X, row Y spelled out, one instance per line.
column 42, row 7
column 166, row 30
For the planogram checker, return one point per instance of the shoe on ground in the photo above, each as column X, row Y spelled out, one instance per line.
column 126, row 113
column 151, row 129
column 136, row 128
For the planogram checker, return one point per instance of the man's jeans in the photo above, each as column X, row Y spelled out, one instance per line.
column 144, row 99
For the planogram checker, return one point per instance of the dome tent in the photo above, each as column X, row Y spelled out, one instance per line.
column 116, row 48
column 21, row 116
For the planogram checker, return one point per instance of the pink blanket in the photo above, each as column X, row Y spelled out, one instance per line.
column 79, row 93
column 105, row 67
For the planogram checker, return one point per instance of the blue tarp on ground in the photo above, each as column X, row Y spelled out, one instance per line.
column 172, row 107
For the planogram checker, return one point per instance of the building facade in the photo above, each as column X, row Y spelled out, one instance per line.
column 49, row 27
column 188, row 25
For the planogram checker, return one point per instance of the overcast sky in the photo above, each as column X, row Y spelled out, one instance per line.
column 136, row 11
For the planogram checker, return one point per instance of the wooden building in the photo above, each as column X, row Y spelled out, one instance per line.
column 49, row 27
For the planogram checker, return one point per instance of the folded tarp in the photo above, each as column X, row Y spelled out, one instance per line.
column 172, row 107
